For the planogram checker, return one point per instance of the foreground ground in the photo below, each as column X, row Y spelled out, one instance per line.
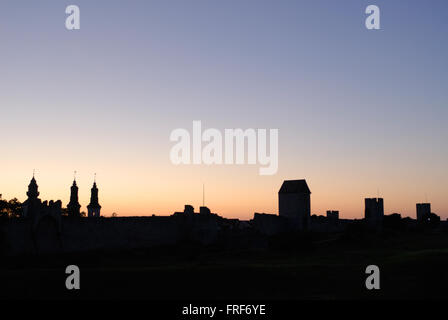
column 332, row 266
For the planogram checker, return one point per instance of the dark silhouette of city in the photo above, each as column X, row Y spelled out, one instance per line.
column 274, row 256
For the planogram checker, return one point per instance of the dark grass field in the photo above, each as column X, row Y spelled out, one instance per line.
column 312, row 267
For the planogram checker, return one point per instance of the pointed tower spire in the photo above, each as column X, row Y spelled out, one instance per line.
column 74, row 207
column 94, row 208
column 33, row 189
column 31, row 206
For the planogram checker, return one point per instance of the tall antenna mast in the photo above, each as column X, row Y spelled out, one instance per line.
column 94, row 178
column 74, row 175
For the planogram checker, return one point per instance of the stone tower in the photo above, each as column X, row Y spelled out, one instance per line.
column 423, row 211
column 94, row 207
column 374, row 210
column 294, row 202
column 31, row 206
column 33, row 191
column 74, row 207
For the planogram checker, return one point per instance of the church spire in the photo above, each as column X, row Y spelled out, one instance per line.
column 33, row 189
column 32, row 205
column 94, row 208
column 74, row 207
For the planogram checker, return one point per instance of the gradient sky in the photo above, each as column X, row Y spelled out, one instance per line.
column 359, row 112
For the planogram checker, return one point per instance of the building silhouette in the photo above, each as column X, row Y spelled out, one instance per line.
column 189, row 211
column 35, row 210
column 204, row 210
column 74, row 207
column 44, row 229
column 32, row 204
column 423, row 211
column 94, row 208
column 332, row 215
column 374, row 210
column 294, row 202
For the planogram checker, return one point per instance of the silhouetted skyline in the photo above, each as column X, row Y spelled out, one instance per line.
column 294, row 202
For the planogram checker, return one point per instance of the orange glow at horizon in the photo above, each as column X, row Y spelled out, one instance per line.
column 230, row 191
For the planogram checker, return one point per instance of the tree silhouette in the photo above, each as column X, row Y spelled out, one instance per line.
column 11, row 208
column 3, row 208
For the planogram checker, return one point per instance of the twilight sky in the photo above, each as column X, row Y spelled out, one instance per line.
column 358, row 111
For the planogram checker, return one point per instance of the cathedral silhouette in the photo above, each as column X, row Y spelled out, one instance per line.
column 35, row 209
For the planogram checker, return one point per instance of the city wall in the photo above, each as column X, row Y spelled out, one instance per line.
column 19, row 236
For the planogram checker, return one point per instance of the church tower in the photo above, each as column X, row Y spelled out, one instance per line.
column 74, row 207
column 33, row 191
column 31, row 206
column 94, row 207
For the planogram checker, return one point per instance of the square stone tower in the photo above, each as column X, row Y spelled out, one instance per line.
column 423, row 211
column 294, row 202
column 374, row 210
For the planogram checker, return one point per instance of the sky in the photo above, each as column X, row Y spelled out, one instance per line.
column 360, row 112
